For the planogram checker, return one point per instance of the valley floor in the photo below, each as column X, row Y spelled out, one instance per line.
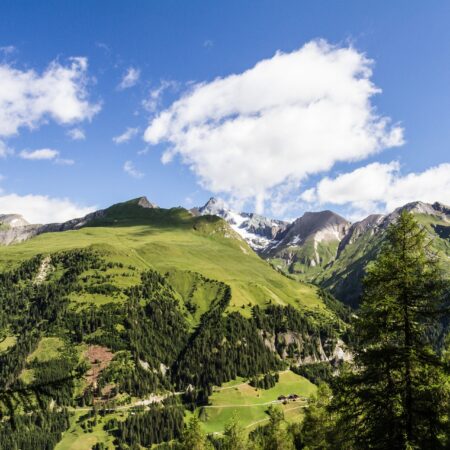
column 235, row 397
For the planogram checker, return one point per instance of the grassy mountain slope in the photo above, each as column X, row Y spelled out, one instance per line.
column 307, row 261
column 344, row 277
column 170, row 240
column 86, row 324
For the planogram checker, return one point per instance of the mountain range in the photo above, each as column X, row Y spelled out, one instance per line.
column 150, row 307
column 319, row 247
column 324, row 247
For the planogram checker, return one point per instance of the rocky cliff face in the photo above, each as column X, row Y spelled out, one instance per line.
column 323, row 226
column 309, row 243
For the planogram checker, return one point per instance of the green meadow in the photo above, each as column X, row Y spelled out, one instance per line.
column 170, row 241
column 250, row 404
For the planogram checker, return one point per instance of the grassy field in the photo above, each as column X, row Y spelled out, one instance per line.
column 250, row 404
column 47, row 349
column 75, row 438
column 7, row 342
column 168, row 240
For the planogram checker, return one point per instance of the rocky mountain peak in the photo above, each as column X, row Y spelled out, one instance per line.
column 322, row 225
column 145, row 203
column 436, row 209
column 370, row 224
column 213, row 206
column 13, row 220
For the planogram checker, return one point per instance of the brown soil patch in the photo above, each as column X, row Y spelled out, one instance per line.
column 99, row 358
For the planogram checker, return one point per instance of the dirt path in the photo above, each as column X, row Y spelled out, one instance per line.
column 43, row 271
column 268, row 418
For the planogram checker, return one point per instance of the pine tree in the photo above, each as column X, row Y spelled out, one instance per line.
column 279, row 437
column 318, row 429
column 234, row 436
column 395, row 394
column 193, row 437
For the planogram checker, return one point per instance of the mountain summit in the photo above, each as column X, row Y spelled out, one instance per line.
column 14, row 228
column 257, row 230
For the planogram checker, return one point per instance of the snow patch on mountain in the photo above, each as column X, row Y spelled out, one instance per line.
column 258, row 231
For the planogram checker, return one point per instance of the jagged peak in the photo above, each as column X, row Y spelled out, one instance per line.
column 145, row 203
column 418, row 207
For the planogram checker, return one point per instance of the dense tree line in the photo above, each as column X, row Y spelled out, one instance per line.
column 396, row 393
column 222, row 348
column 275, row 320
column 321, row 372
column 40, row 430
column 149, row 333
column 266, row 381
column 159, row 423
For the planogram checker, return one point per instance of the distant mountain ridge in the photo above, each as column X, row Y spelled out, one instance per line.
column 320, row 247
column 15, row 228
column 324, row 247
column 257, row 230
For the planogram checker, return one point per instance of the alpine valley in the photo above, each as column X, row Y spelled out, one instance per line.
column 123, row 324
column 326, row 249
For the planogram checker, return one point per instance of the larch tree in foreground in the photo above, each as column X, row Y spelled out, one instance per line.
column 396, row 394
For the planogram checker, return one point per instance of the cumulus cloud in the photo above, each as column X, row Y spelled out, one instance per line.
column 131, row 170
column 28, row 98
column 130, row 78
column 43, row 153
column 76, row 134
column 381, row 187
column 288, row 117
column 41, row 208
column 126, row 136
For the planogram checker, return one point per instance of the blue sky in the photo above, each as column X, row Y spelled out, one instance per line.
column 168, row 48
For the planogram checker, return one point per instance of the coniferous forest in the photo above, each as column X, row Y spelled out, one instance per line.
column 393, row 392
column 224, row 225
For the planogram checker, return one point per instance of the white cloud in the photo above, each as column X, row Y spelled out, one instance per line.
column 288, row 117
column 208, row 43
column 76, row 134
column 41, row 208
column 8, row 49
column 60, row 93
column 4, row 149
column 131, row 170
column 153, row 101
column 382, row 188
column 43, row 153
column 126, row 136
column 130, row 78
column 64, row 162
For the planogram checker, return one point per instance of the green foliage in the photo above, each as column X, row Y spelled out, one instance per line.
column 159, row 423
column 397, row 395
column 233, row 435
column 193, row 437
column 33, row 431
column 318, row 430
column 277, row 435
column 267, row 381
column 315, row 372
